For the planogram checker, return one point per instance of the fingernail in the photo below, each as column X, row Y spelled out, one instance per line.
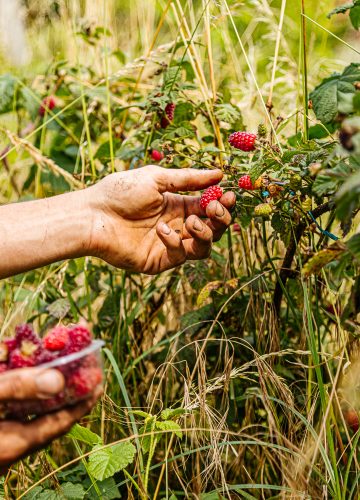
column 49, row 382
column 165, row 228
column 197, row 225
column 219, row 210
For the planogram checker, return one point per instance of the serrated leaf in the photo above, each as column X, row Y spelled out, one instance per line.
column 169, row 425
column 105, row 462
column 355, row 15
column 59, row 308
column 72, row 491
column 348, row 197
column 84, row 435
column 8, row 87
column 107, row 488
column 169, row 413
column 335, row 94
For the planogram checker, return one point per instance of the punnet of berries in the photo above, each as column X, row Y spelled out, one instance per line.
column 69, row 349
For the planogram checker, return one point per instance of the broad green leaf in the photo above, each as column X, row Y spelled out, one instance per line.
column 355, row 15
column 140, row 413
column 353, row 245
column 72, row 491
column 105, row 462
column 169, row 425
column 335, row 94
column 8, row 88
column 108, row 489
column 85, row 435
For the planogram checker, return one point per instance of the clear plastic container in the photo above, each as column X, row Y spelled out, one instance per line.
column 83, row 372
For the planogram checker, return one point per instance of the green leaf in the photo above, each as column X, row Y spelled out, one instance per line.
column 353, row 245
column 335, row 94
column 140, row 413
column 169, row 425
column 108, row 489
column 355, row 15
column 59, row 308
column 169, row 413
column 73, row 491
column 85, row 435
column 105, row 462
column 8, row 87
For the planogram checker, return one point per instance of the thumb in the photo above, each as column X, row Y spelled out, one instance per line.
column 186, row 179
column 30, row 383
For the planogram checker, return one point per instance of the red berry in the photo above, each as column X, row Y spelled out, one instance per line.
column 237, row 228
column 157, row 155
column 242, row 140
column 47, row 103
column 210, row 194
column 168, row 115
column 84, row 380
column 80, row 337
column 10, row 343
column 56, row 339
column 245, row 183
column 45, row 356
column 25, row 332
column 3, row 367
column 19, row 360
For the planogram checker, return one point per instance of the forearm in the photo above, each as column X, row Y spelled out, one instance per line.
column 37, row 233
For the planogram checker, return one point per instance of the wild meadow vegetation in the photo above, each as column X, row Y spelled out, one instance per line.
column 234, row 377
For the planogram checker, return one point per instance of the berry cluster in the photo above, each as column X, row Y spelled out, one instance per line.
column 168, row 115
column 210, row 194
column 26, row 349
column 243, row 140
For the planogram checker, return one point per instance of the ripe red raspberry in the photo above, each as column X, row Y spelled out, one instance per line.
column 168, row 115
column 210, row 194
column 242, row 140
column 3, row 367
column 47, row 102
column 80, row 337
column 25, row 332
column 56, row 339
column 84, row 380
column 19, row 360
column 11, row 344
column 45, row 356
column 157, row 155
column 245, row 183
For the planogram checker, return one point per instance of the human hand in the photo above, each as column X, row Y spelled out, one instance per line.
column 140, row 224
column 19, row 439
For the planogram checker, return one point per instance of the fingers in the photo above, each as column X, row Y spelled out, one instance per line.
column 219, row 218
column 199, row 246
column 186, row 179
column 175, row 252
column 30, row 383
column 20, row 439
column 45, row 429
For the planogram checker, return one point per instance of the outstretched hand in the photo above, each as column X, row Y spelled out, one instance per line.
column 141, row 224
